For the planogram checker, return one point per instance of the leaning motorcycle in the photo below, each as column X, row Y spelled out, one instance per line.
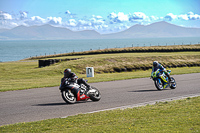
column 72, row 92
column 159, row 83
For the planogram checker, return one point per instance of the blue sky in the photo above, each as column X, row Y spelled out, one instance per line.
column 104, row 16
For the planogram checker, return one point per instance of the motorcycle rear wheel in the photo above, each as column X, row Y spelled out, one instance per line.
column 158, row 85
column 68, row 96
column 96, row 96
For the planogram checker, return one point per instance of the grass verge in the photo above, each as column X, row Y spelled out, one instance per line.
column 174, row 116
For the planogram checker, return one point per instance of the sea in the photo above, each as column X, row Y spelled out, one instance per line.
column 14, row 50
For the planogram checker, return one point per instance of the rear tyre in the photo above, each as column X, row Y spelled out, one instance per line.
column 68, row 96
column 172, row 83
column 96, row 95
column 158, row 84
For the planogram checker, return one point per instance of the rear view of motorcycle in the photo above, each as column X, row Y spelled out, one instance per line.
column 72, row 92
column 159, row 83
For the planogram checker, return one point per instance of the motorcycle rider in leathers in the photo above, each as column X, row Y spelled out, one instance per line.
column 71, row 77
column 157, row 66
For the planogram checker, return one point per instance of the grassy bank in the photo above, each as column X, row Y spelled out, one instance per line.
column 171, row 48
column 175, row 116
column 27, row 74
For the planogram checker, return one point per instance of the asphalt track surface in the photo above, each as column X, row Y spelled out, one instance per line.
column 46, row 103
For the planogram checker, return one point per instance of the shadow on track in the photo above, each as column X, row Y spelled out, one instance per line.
column 60, row 104
column 148, row 90
column 51, row 104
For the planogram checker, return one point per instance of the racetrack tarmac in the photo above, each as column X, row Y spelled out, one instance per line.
column 46, row 103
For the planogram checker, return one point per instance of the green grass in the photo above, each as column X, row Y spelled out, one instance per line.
column 25, row 75
column 165, row 117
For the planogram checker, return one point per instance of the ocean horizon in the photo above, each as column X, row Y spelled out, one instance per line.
column 14, row 50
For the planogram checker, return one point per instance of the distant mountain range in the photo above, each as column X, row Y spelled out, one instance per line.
column 48, row 32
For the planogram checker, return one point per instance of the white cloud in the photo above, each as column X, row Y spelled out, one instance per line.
column 7, row 24
column 153, row 18
column 118, row 18
column 189, row 16
column 97, row 17
column 193, row 16
column 84, row 23
column 112, row 15
column 37, row 19
column 170, row 17
column 137, row 16
column 122, row 17
column 183, row 17
column 5, row 16
column 23, row 15
column 95, row 21
column 72, row 22
column 54, row 20
column 14, row 24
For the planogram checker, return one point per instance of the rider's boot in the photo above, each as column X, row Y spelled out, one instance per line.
column 86, row 84
column 89, row 88
column 168, row 76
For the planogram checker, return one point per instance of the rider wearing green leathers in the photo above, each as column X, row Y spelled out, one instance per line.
column 158, row 66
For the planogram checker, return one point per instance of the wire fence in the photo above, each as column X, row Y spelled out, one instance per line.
column 124, row 46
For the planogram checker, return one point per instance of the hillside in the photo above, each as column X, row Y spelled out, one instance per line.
column 158, row 29
column 48, row 32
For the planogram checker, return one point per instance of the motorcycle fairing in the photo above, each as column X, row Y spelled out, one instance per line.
column 81, row 97
column 159, row 80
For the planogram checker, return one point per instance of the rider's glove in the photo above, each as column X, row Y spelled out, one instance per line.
column 153, row 75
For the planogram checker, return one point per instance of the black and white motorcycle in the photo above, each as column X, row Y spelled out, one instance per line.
column 72, row 92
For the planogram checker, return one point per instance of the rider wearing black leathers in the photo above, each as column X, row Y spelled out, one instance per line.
column 71, row 77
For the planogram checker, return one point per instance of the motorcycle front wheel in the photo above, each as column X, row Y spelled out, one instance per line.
column 172, row 83
column 95, row 95
column 158, row 84
column 68, row 96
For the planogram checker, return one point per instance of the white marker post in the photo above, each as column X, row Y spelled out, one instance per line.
column 90, row 71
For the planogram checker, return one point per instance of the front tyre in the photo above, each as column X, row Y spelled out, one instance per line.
column 94, row 94
column 172, row 83
column 68, row 96
column 158, row 84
